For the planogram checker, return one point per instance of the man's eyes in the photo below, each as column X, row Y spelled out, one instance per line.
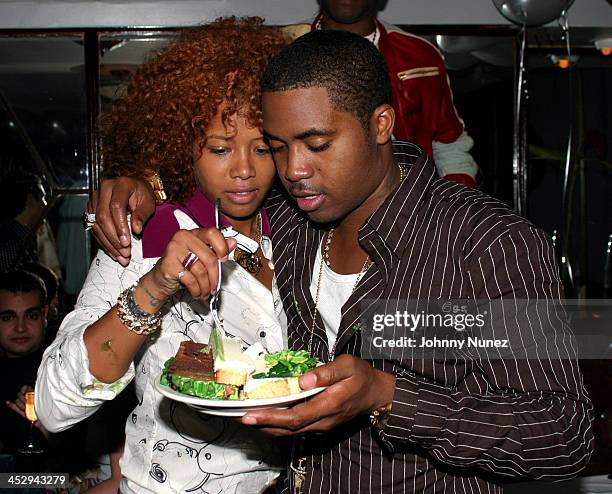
column 311, row 147
column 319, row 148
column 34, row 315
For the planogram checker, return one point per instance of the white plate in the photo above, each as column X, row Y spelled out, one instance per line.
column 232, row 408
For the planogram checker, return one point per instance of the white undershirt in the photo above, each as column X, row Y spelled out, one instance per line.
column 335, row 290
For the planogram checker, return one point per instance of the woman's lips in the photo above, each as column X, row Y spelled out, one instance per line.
column 242, row 197
column 310, row 203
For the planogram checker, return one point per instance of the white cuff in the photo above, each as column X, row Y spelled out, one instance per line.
column 454, row 157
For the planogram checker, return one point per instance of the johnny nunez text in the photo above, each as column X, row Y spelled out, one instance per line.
column 435, row 342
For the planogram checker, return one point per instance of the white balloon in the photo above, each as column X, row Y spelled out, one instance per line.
column 532, row 12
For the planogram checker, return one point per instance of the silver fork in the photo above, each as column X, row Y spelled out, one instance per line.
column 214, row 309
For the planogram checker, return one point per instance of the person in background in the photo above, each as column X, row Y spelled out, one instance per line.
column 22, row 208
column 24, row 307
column 421, row 95
column 23, row 313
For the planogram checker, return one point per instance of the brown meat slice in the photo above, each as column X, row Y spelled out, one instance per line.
column 193, row 360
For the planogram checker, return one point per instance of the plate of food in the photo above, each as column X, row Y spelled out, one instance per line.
column 222, row 379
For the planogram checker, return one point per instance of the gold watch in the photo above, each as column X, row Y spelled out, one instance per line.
column 157, row 185
column 379, row 417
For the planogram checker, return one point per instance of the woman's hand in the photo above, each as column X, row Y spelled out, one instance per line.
column 18, row 406
column 200, row 279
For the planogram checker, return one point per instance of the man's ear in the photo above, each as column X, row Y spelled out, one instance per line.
column 382, row 121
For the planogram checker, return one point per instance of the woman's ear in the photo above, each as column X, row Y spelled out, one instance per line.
column 382, row 121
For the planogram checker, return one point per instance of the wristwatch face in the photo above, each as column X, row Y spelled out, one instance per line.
column 379, row 417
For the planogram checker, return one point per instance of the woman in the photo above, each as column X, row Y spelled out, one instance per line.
column 191, row 114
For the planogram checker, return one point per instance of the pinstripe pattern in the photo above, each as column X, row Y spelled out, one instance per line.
column 456, row 425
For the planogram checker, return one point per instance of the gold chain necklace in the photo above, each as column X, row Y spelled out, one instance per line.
column 299, row 470
column 325, row 259
column 250, row 260
column 403, row 171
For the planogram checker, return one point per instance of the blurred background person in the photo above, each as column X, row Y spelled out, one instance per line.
column 83, row 451
column 25, row 234
column 422, row 97
column 23, row 313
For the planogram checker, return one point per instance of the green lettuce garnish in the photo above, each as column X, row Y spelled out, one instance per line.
column 288, row 363
column 202, row 389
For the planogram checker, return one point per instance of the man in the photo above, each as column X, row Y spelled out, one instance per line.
column 22, row 209
column 23, row 319
column 367, row 223
column 422, row 98
column 23, row 315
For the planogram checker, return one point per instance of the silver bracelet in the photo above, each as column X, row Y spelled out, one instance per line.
column 133, row 317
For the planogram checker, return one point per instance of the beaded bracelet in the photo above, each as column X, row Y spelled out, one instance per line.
column 133, row 317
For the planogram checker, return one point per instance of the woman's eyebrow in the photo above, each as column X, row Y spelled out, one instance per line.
column 215, row 136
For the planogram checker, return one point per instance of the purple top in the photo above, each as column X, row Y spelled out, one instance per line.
column 163, row 224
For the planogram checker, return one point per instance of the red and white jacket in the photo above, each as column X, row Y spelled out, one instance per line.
column 422, row 99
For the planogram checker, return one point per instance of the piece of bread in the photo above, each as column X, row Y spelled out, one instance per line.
column 231, row 375
column 271, row 387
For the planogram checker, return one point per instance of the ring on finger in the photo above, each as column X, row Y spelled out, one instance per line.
column 181, row 274
column 190, row 260
column 89, row 220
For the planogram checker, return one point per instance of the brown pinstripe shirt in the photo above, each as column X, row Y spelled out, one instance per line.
column 456, row 425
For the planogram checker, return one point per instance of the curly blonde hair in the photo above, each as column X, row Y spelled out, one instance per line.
column 172, row 98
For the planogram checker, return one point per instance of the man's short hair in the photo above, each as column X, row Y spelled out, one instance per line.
column 48, row 277
column 346, row 64
column 20, row 281
column 14, row 190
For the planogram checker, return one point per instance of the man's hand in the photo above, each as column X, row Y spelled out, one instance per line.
column 111, row 203
column 19, row 404
column 354, row 388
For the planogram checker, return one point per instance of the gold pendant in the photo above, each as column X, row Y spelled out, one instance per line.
column 299, row 475
column 249, row 261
